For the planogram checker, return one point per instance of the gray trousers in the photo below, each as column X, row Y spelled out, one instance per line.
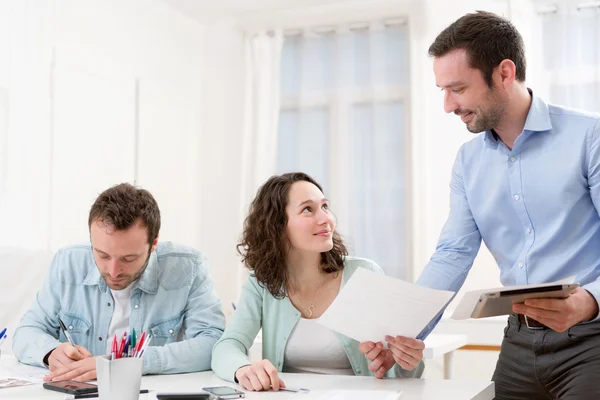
column 544, row 364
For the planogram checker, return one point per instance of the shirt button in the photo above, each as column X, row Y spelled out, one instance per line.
column 100, row 338
column 520, row 265
column 108, row 304
column 70, row 327
column 136, row 306
column 171, row 331
column 528, row 230
column 517, row 197
column 513, row 159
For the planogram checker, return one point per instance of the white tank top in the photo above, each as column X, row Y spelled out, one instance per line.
column 313, row 348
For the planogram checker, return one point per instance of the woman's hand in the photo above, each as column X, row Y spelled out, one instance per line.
column 407, row 352
column 382, row 360
column 261, row 375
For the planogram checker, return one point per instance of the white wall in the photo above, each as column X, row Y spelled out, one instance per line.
column 99, row 92
column 221, row 153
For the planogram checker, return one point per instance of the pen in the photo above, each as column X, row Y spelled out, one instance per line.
column 113, row 351
column 146, row 344
column 122, row 345
column 92, row 395
column 234, row 307
column 133, row 340
column 126, row 348
column 139, row 344
column 67, row 334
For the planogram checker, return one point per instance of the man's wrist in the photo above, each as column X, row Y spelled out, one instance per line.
column 46, row 357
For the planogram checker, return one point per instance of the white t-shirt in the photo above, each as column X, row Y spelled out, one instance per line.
column 313, row 348
column 119, row 322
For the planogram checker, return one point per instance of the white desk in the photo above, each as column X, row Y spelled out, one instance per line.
column 444, row 345
column 414, row 389
column 436, row 345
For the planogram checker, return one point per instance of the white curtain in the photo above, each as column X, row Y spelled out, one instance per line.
column 262, row 58
column 569, row 33
column 344, row 121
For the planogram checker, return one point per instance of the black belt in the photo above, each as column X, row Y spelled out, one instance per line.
column 530, row 322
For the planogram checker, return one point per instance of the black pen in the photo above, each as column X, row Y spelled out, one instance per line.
column 67, row 334
column 92, row 395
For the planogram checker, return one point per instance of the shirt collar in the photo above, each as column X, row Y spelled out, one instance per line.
column 538, row 120
column 148, row 282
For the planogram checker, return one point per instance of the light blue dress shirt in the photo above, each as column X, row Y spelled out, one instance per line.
column 174, row 300
column 535, row 207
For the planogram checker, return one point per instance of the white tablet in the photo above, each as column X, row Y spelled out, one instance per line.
column 500, row 302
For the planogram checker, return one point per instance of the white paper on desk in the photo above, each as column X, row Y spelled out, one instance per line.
column 371, row 306
column 14, row 382
column 469, row 301
column 348, row 395
column 23, row 372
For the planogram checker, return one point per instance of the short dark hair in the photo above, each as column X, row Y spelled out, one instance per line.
column 124, row 205
column 264, row 243
column 487, row 38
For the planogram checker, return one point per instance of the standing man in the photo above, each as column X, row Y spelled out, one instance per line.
column 123, row 280
column 529, row 186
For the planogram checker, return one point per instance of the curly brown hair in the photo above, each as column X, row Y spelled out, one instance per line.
column 264, row 242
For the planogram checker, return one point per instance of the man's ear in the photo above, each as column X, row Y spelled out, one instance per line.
column 507, row 72
column 154, row 244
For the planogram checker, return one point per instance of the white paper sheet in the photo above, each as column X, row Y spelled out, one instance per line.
column 14, row 369
column 469, row 301
column 348, row 395
column 371, row 306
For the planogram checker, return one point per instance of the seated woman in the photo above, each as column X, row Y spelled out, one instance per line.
column 299, row 263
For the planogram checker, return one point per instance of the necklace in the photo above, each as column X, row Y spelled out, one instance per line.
column 308, row 311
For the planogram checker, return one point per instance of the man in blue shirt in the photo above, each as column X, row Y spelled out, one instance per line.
column 529, row 186
column 123, row 280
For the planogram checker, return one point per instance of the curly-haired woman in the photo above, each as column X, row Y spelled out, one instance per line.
column 299, row 263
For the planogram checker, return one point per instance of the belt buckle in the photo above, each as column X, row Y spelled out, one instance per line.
column 531, row 327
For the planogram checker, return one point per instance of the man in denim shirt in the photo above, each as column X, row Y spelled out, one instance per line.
column 124, row 280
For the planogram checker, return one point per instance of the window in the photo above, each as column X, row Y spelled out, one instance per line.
column 344, row 121
column 570, row 38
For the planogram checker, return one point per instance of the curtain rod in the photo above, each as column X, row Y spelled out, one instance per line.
column 351, row 26
column 553, row 8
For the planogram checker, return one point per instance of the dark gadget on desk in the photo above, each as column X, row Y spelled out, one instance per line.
column 71, row 387
column 500, row 303
column 225, row 392
column 183, row 396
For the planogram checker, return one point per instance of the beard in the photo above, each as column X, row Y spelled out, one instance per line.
column 486, row 119
column 127, row 279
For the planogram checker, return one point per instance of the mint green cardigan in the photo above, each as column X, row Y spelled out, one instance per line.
column 258, row 309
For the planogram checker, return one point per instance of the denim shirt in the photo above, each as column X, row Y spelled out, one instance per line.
column 174, row 300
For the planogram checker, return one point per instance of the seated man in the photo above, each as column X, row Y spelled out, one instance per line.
column 124, row 280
